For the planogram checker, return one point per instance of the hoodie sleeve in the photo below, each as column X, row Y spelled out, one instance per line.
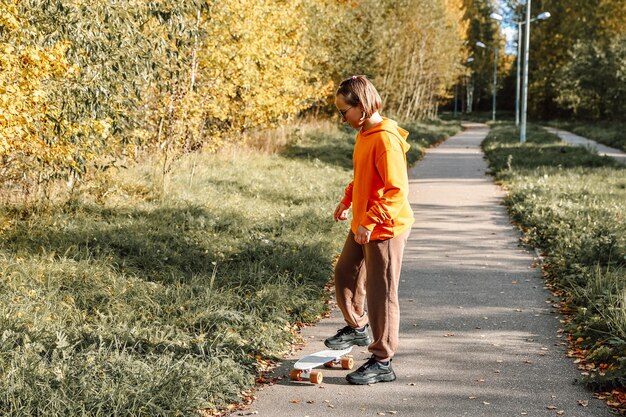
column 347, row 197
column 391, row 166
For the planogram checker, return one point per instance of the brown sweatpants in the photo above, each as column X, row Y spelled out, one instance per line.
column 371, row 273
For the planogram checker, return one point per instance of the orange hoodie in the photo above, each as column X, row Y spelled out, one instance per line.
column 379, row 191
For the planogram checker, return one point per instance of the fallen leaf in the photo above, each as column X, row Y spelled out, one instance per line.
column 584, row 403
column 551, row 407
column 560, row 412
column 295, row 401
column 486, row 403
column 472, row 398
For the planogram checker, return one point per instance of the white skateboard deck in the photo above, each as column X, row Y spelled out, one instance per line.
column 320, row 358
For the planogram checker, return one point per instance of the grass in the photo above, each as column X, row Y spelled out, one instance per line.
column 570, row 203
column 123, row 303
column 483, row 116
column 610, row 133
column 133, row 301
column 336, row 149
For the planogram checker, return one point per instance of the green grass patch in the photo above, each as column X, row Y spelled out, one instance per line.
column 134, row 301
column 610, row 133
column 571, row 204
column 336, row 149
column 146, row 305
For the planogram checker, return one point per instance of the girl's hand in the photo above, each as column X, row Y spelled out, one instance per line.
column 362, row 235
column 341, row 212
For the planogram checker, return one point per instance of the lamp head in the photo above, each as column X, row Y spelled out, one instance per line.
column 480, row 44
column 496, row 16
column 544, row 16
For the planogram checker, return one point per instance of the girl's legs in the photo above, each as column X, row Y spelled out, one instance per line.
column 383, row 260
column 350, row 279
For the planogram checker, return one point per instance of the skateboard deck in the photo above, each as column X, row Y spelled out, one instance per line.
column 303, row 369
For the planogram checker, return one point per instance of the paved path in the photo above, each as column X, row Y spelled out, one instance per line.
column 478, row 331
column 581, row 141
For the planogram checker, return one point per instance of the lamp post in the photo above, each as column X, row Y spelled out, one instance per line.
column 542, row 16
column 495, row 75
column 497, row 17
column 522, row 135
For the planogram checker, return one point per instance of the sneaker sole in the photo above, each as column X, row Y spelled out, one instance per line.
column 347, row 345
column 373, row 380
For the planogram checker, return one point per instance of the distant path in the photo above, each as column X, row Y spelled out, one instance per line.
column 477, row 336
column 588, row 143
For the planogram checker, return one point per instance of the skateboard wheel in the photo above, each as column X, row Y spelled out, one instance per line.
column 347, row 363
column 316, row 377
column 329, row 364
column 294, row 375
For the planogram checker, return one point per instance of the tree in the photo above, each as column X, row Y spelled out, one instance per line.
column 554, row 41
column 593, row 82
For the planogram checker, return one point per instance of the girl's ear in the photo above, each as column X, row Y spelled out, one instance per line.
column 362, row 111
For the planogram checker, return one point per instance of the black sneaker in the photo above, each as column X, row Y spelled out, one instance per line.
column 372, row 372
column 347, row 337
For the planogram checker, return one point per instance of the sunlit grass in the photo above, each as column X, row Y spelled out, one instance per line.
column 143, row 298
column 129, row 301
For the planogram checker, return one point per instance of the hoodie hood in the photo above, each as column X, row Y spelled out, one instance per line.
column 390, row 126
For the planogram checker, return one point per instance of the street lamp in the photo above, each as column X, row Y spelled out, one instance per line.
column 495, row 77
column 545, row 15
column 542, row 16
column 494, row 16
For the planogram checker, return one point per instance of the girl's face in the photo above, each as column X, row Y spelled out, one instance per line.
column 353, row 115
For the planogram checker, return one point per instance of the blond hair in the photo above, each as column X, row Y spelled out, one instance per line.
column 359, row 90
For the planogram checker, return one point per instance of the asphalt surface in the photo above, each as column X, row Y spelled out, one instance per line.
column 479, row 332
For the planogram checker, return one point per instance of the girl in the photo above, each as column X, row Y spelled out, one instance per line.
column 368, row 269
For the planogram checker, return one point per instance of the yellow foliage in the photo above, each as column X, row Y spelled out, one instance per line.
column 177, row 76
column 33, row 136
column 248, row 74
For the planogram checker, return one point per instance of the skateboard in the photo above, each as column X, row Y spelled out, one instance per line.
column 303, row 369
